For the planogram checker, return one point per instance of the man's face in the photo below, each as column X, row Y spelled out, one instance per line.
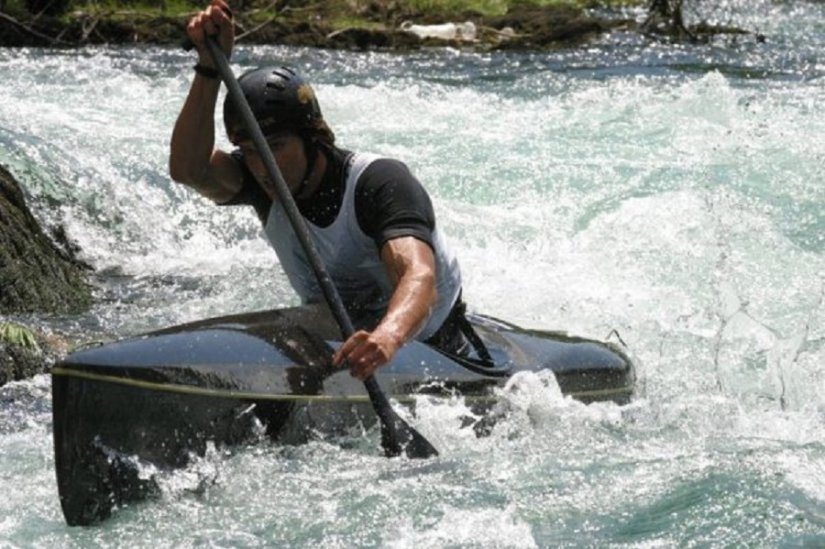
column 288, row 150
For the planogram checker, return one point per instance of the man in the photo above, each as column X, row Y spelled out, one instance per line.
column 370, row 219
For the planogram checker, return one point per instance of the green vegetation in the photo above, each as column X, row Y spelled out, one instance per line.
column 31, row 8
column 170, row 8
column 19, row 336
column 349, row 21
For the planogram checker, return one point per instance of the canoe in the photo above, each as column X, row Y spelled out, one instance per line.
column 161, row 398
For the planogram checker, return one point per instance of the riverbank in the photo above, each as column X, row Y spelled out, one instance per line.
column 353, row 26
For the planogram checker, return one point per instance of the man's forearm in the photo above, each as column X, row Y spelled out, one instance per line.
column 410, row 307
column 193, row 138
column 410, row 266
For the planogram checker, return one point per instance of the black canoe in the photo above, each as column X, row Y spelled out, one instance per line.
column 158, row 399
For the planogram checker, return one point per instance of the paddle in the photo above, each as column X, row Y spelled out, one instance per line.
column 396, row 435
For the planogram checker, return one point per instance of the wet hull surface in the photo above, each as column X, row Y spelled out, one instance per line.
column 160, row 398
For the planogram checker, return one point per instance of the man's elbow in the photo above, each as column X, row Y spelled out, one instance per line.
column 179, row 173
column 197, row 179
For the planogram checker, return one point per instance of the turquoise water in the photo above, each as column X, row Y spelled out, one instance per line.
column 671, row 193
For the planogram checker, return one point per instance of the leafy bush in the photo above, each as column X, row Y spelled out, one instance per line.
column 14, row 334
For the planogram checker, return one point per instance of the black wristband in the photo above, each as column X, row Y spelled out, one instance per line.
column 206, row 72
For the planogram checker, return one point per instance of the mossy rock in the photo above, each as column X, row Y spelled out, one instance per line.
column 20, row 355
column 36, row 274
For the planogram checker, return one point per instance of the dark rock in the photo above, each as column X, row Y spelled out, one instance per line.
column 18, row 363
column 364, row 39
column 36, row 275
column 541, row 28
column 22, row 359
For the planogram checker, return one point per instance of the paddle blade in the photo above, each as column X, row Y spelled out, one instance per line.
column 397, row 436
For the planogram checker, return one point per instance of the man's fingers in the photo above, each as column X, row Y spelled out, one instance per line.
column 363, row 360
column 220, row 12
column 349, row 349
column 362, row 353
column 363, row 371
column 359, row 356
column 367, row 362
column 198, row 27
column 226, row 11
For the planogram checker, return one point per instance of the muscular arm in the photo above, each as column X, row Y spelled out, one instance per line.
column 410, row 265
column 193, row 160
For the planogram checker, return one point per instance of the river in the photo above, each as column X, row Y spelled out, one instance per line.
column 672, row 193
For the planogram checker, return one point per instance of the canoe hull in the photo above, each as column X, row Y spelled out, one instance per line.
column 161, row 398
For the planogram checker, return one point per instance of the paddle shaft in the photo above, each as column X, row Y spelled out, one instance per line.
column 393, row 427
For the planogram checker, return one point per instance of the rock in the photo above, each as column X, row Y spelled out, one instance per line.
column 365, row 39
column 18, row 363
column 536, row 28
column 36, row 275
column 25, row 353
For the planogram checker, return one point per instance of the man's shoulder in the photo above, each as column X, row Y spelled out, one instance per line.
column 381, row 172
column 380, row 163
column 391, row 202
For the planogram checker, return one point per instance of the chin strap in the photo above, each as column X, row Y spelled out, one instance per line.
column 311, row 153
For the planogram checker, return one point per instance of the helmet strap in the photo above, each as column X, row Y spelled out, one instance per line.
column 311, row 154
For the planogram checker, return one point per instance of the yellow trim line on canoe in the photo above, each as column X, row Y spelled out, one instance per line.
column 250, row 395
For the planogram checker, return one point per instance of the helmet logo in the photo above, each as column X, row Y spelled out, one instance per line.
column 305, row 94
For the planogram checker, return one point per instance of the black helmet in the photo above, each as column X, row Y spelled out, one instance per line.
column 280, row 99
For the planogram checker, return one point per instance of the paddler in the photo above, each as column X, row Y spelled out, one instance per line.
column 371, row 219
